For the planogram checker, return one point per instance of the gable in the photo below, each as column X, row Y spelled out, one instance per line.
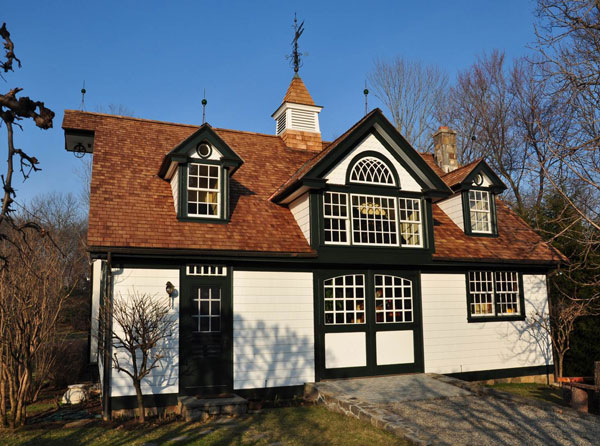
column 370, row 144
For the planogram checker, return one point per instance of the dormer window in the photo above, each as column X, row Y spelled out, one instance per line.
column 204, row 190
column 370, row 170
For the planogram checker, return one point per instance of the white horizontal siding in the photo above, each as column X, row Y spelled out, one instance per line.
column 300, row 210
column 151, row 282
column 175, row 188
column 96, row 278
column 273, row 329
column 338, row 174
column 452, row 344
column 453, row 209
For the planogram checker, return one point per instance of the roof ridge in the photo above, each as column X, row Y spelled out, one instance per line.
column 133, row 118
column 477, row 161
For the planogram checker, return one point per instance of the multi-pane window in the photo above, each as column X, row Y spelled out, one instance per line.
column 373, row 220
column 335, row 213
column 494, row 293
column 409, row 210
column 370, row 170
column 393, row 299
column 480, row 211
column 203, row 191
column 507, row 292
column 344, row 298
column 481, row 288
column 206, row 270
column 208, row 304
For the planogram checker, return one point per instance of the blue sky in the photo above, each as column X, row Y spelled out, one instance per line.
column 156, row 57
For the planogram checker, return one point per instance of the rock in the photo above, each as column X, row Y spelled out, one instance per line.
column 76, row 394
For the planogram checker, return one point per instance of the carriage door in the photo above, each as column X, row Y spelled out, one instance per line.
column 370, row 324
column 206, row 336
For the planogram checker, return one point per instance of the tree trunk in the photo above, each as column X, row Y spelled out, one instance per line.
column 140, row 400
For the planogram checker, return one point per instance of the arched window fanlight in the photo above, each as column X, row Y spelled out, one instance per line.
column 371, row 170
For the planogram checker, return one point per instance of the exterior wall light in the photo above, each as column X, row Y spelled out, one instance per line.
column 170, row 289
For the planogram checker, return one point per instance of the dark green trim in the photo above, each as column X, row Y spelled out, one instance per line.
column 467, row 213
column 504, row 373
column 482, row 167
column 502, row 318
column 204, row 134
column 374, row 254
column 370, row 327
column 130, row 402
column 387, row 134
column 271, row 393
column 315, row 216
column 381, row 158
column 183, row 193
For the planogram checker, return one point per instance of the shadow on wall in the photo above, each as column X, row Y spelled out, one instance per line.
column 532, row 345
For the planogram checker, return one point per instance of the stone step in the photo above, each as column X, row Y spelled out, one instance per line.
column 196, row 408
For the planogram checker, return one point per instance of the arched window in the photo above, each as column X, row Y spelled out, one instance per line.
column 371, row 170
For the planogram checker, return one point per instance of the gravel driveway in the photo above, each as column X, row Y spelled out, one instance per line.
column 438, row 410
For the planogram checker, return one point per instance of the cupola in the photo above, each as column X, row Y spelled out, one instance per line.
column 297, row 118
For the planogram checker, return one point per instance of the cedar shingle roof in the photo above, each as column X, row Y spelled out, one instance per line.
column 298, row 93
column 457, row 176
column 131, row 207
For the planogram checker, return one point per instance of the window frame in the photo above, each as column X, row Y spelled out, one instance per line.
column 426, row 234
column 467, row 213
column 496, row 317
column 223, row 205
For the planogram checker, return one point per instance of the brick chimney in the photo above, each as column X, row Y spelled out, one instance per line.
column 444, row 144
column 297, row 119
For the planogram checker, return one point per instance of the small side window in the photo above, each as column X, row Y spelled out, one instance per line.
column 494, row 295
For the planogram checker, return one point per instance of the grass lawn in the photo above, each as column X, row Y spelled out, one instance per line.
column 311, row 425
column 538, row 391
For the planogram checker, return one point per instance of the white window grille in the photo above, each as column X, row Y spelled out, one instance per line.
column 206, row 270
column 481, row 288
column 374, row 220
column 208, row 304
column 494, row 293
column 393, row 299
column 507, row 292
column 204, row 190
column 479, row 206
column 335, row 214
column 410, row 222
column 344, row 298
column 371, row 170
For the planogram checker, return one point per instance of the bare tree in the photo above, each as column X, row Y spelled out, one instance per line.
column 559, row 325
column 139, row 327
column 412, row 92
column 13, row 110
column 115, row 109
column 568, row 40
column 32, row 294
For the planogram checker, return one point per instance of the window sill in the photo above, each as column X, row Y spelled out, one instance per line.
column 503, row 318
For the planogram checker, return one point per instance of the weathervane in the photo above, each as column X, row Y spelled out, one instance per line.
column 366, row 93
column 295, row 57
column 204, row 102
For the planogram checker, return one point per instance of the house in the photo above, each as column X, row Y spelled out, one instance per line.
column 297, row 260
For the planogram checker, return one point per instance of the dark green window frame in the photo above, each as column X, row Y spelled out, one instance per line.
column 496, row 317
column 467, row 213
column 383, row 191
column 182, row 213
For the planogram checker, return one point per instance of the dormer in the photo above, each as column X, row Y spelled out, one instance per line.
column 199, row 171
column 297, row 118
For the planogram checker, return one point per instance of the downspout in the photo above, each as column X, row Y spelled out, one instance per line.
column 108, row 299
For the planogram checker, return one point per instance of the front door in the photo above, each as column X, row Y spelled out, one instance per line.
column 206, row 334
column 369, row 324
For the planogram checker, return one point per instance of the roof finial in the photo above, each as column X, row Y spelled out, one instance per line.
column 366, row 93
column 295, row 57
column 204, row 102
column 83, row 91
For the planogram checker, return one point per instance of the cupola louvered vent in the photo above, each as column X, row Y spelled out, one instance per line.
column 303, row 120
column 281, row 123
